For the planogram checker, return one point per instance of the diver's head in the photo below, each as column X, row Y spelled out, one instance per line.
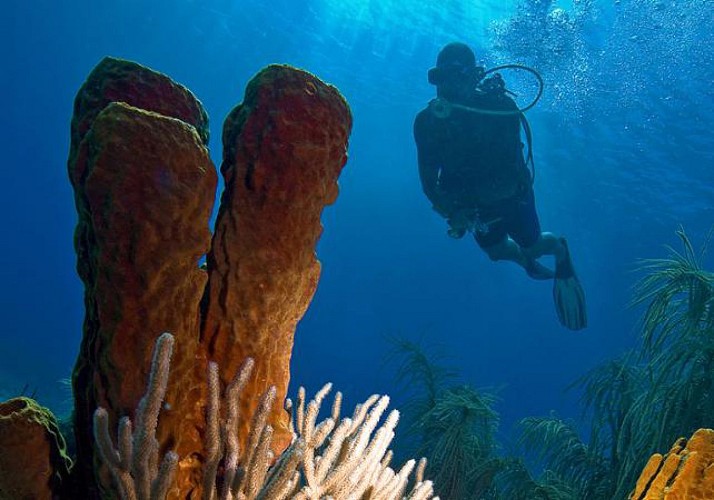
column 456, row 74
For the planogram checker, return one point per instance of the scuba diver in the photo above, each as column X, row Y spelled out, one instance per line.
column 473, row 170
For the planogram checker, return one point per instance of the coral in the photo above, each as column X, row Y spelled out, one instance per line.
column 685, row 472
column 339, row 459
column 144, row 190
column 33, row 462
column 134, row 464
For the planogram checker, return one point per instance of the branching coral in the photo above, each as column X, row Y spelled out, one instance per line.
column 337, row 459
column 134, row 464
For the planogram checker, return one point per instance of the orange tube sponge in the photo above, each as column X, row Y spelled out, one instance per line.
column 148, row 211
column 144, row 189
column 283, row 150
column 685, row 472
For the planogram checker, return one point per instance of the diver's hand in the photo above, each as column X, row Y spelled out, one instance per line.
column 445, row 206
column 442, row 210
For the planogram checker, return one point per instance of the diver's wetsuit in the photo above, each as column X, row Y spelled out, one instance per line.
column 470, row 160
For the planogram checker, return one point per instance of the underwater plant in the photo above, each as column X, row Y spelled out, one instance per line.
column 679, row 294
column 635, row 405
column 610, row 392
column 454, row 426
column 647, row 399
column 516, row 483
column 677, row 353
column 458, row 437
column 573, row 470
column 419, row 373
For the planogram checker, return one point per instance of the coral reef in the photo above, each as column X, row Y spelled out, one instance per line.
column 33, row 462
column 144, row 190
column 685, row 472
column 339, row 459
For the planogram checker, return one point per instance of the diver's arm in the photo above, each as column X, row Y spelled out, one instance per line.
column 429, row 176
column 428, row 161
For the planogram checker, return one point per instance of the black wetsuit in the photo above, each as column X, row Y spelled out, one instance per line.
column 474, row 161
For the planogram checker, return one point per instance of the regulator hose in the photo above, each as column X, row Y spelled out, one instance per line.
column 442, row 107
column 531, row 71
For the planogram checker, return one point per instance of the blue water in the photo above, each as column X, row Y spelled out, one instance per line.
column 623, row 145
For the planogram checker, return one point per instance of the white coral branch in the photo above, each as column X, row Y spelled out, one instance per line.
column 134, row 464
column 334, row 459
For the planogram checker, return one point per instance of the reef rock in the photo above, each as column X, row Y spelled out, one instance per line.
column 685, row 472
column 283, row 150
column 145, row 188
column 33, row 462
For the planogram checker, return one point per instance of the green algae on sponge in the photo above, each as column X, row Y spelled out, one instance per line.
column 33, row 458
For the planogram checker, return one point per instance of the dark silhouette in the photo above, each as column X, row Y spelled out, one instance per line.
column 473, row 170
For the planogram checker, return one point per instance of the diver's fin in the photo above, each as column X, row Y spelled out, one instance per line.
column 568, row 294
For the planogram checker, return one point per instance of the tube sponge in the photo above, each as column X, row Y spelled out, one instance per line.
column 685, row 472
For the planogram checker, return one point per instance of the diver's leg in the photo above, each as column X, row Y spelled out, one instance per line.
column 506, row 249
column 497, row 245
column 523, row 227
column 511, row 251
column 546, row 244
column 518, row 219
